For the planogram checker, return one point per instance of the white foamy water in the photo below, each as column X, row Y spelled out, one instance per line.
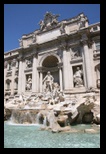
column 9, row 122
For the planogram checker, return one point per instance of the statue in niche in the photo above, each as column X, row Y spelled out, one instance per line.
column 48, row 82
column 77, row 78
column 62, row 28
column 29, row 83
column 28, row 63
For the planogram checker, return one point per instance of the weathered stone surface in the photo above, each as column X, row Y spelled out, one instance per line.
column 56, row 117
column 62, row 120
column 7, row 114
column 90, row 131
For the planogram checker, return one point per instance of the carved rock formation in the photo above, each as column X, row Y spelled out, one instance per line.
column 56, row 116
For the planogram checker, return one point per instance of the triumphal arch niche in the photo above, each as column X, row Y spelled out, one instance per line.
column 51, row 63
column 63, row 54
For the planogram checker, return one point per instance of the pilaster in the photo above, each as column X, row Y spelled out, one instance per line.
column 34, row 75
column 13, row 76
column 20, row 77
column 88, row 71
column 66, row 67
column 5, row 71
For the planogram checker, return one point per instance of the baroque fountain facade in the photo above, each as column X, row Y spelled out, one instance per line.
column 53, row 78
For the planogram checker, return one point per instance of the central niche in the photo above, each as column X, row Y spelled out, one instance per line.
column 50, row 63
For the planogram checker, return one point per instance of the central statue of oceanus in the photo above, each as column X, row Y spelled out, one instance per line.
column 48, row 82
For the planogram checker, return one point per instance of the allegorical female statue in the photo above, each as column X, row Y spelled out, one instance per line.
column 78, row 78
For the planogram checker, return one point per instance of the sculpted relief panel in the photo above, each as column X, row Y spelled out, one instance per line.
column 28, row 63
column 76, row 53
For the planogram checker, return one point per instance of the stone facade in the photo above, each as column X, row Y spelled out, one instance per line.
column 69, row 49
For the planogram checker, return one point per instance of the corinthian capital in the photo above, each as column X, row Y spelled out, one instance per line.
column 64, row 46
column 83, row 42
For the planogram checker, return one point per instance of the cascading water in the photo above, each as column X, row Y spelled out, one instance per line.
column 45, row 121
column 24, row 116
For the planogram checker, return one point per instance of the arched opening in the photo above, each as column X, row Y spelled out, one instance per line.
column 50, row 63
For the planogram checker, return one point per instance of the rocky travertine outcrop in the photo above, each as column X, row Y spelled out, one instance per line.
column 55, row 112
column 7, row 113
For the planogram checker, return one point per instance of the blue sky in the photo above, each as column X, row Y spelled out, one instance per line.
column 22, row 19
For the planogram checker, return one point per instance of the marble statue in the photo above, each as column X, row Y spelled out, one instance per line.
column 20, row 42
column 82, row 21
column 29, row 83
column 62, row 28
column 49, row 21
column 42, row 25
column 78, row 78
column 48, row 82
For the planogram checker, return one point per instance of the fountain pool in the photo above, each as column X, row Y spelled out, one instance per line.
column 30, row 136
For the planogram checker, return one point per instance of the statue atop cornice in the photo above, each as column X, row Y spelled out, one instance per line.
column 49, row 21
column 20, row 42
column 83, row 21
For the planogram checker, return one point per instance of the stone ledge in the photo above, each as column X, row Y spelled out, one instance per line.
column 75, row 90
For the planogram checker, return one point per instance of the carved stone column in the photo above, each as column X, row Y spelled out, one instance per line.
column 13, row 76
column 7, row 66
column 66, row 68
column 5, row 71
column 23, row 76
column 87, row 61
column 34, row 75
column 92, row 63
column 41, row 75
column 20, row 77
column 60, row 76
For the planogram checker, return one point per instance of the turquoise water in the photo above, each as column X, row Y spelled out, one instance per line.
column 30, row 136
